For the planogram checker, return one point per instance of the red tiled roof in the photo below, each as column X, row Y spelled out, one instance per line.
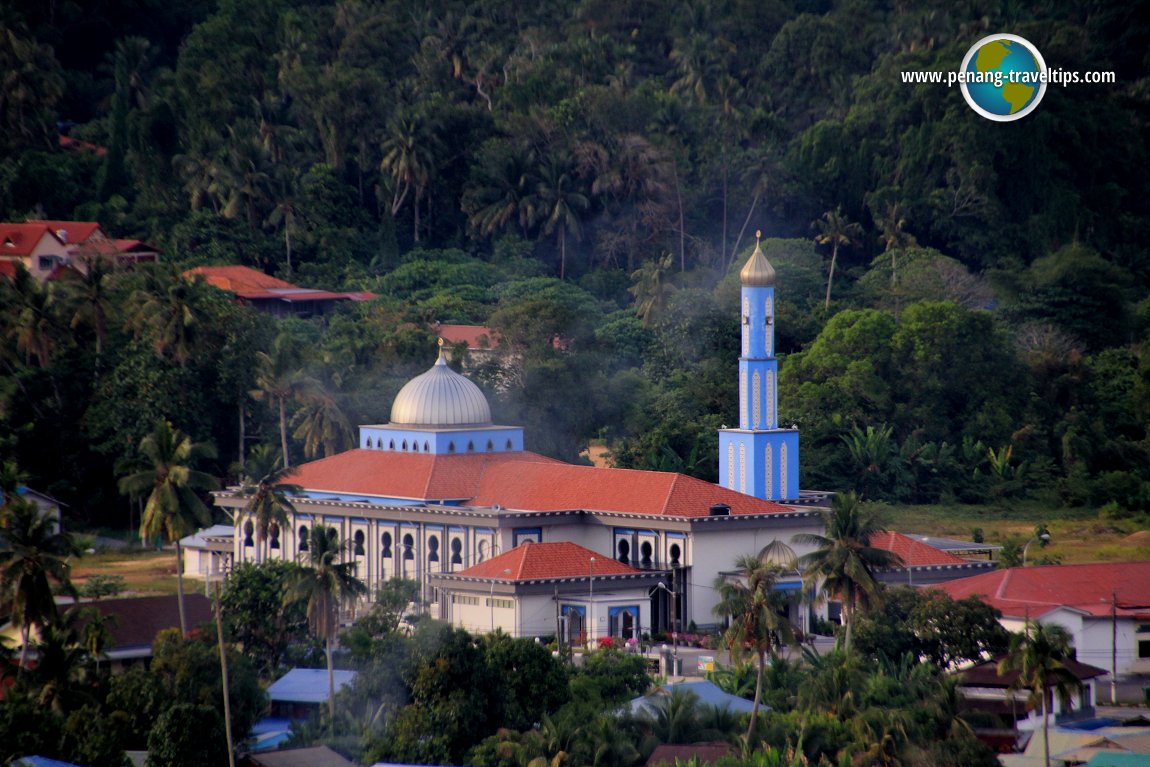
column 522, row 481
column 75, row 232
column 139, row 619
column 404, row 475
column 67, row 142
column 540, row 561
column 914, row 553
column 1021, row 592
column 476, row 336
column 21, row 239
column 254, row 285
column 235, row 279
column 551, row 487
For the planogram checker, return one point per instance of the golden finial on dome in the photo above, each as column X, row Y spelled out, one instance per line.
column 757, row 272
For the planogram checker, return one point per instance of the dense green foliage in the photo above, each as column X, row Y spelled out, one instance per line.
column 459, row 158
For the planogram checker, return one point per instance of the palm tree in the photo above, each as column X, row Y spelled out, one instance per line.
column 266, row 492
column 31, row 325
column 843, row 559
column 167, row 477
column 278, row 379
column 651, row 288
column 757, row 610
column 1039, row 655
column 91, row 300
column 325, row 583
column 33, row 553
column 560, row 205
column 169, row 314
column 836, row 230
column 321, row 424
column 409, row 151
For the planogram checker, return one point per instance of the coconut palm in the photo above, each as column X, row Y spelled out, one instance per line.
column 31, row 326
column 325, row 583
column 268, row 501
column 90, row 300
column 560, row 205
column 279, row 378
column 836, row 230
column 758, row 622
column 167, row 478
column 33, row 554
column 1038, row 655
column 843, row 562
column 320, row 423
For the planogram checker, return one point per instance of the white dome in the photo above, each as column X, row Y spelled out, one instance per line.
column 440, row 397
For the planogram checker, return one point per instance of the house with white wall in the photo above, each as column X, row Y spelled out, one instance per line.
column 1104, row 606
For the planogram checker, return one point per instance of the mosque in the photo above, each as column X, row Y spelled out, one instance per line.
column 499, row 536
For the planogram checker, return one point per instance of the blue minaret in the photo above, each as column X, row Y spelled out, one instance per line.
column 759, row 458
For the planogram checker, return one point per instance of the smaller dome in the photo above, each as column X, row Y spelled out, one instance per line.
column 757, row 272
column 440, row 397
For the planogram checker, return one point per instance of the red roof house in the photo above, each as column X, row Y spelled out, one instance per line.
column 1105, row 606
column 272, row 295
column 923, row 564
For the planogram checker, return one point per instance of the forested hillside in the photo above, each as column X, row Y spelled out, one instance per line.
column 586, row 177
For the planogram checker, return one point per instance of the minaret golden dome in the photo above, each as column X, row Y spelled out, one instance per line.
column 758, row 272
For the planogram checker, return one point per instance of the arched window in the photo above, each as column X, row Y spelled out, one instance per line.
column 624, row 549
column 405, row 444
column 470, row 447
column 456, row 551
column 385, row 546
column 303, row 538
column 676, row 553
column 451, row 447
column 482, row 551
column 391, row 445
column 426, row 449
column 510, row 446
column 490, row 446
column 379, row 443
column 248, row 530
column 433, row 549
column 408, row 547
column 645, row 552
column 274, row 535
column 415, row 446
column 358, row 546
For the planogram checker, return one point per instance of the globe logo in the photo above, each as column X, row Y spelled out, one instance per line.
column 1003, row 77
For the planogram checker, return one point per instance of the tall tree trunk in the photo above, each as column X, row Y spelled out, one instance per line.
column 739, row 239
column 562, row 251
column 242, row 434
column 224, row 678
column 682, row 232
column 758, row 699
column 831, row 275
column 1045, row 727
column 283, row 430
column 180, row 588
column 23, row 648
column 330, row 681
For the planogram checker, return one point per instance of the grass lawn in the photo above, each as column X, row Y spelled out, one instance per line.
column 143, row 571
column 1076, row 535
